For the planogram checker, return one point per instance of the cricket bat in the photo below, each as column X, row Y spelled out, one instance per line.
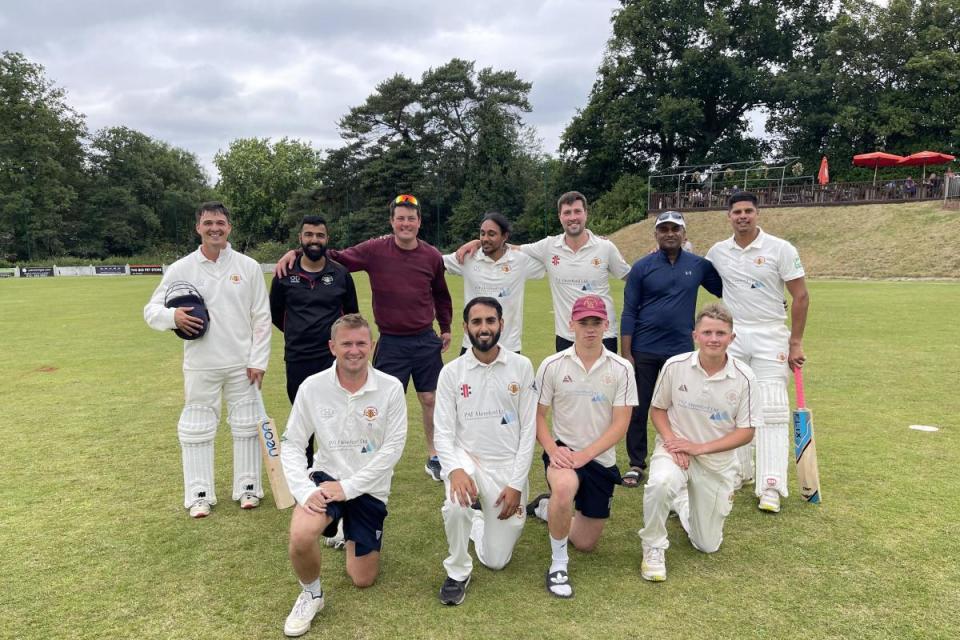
column 805, row 447
column 270, row 448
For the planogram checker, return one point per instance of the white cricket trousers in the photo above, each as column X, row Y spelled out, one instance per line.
column 493, row 539
column 764, row 348
column 702, row 508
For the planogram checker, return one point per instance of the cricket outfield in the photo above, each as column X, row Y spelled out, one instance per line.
column 98, row 544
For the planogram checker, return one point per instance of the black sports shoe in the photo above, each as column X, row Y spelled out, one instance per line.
column 453, row 591
column 433, row 468
column 533, row 504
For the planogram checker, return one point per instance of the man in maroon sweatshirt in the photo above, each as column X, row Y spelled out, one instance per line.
column 409, row 291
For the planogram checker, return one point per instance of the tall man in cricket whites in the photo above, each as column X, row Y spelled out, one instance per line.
column 755, row 268
column 591, row 392
column 409, row 291
column 578, row 263
column 228, row 359
column 359, row 418
column 497, row 272
column 659, row 302
column 485, row 429
column 705, row 406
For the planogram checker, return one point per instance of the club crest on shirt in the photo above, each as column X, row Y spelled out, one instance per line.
column 759, row 261
column 370, row 413
column 505, row 268
column 294, row 279
column 607, row 379
column 732, row 397
column 327, row 279
column 596, row 262
column 235, row 278
column 513, row 388
column 782, row 357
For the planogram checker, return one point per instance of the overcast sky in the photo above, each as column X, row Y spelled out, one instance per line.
column 200, row 74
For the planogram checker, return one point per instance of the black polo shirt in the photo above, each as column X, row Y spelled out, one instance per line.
column 304, row 305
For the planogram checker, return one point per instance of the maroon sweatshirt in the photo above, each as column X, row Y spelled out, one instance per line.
column 408, row 286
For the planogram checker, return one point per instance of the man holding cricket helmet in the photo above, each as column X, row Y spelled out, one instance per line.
column 216, row 300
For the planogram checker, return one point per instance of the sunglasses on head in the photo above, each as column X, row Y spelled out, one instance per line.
column 406, row 199
column 670, row 216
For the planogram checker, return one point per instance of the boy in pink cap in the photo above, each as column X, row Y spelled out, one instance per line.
column 591, row 392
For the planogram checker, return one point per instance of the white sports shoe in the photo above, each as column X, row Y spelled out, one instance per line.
column 654, row 565
column 200, row 508
column 337, row 541
column 770, row 501
column 304, row 609
column 249, row 501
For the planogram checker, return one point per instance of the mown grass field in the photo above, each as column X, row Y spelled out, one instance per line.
column 97, row 544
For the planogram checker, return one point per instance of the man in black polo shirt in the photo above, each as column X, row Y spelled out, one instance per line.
column 305, row 303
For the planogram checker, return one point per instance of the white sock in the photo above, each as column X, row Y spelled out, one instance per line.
column 541, row 509
column 313, row 588
column 559, row 558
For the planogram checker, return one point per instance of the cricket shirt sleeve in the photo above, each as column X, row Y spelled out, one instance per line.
column 451, row 265
column 710, row 279
column 626, row 386
column 260, row 323
column 789, row 264
column 445, row 420
column 381, row 465
column 538, row 250
column 663, row 390
column 157, row 315
column 528, row 428
column 293, row 455
column 615, row 262
column 750, row 407
column 544, row 383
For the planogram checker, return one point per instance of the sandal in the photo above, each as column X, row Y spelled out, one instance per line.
column 559, row 579
column 633, row 478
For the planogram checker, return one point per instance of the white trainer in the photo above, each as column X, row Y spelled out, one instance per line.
column 654, row 565
column 249, row 501
column 200, row 508
column 337, row 541
column 304, row 609
column 770, row 501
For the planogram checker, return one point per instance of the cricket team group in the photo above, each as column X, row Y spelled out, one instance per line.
column 720, row 412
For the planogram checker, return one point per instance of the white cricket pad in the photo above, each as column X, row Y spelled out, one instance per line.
column 244, row 418
column 196, row 431
column 773, row 439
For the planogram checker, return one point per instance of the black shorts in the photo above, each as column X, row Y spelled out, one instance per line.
column 300, row 370
column 362, row 519
column 405, row 356
column 595, row 493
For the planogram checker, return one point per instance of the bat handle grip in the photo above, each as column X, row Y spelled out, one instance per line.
column 798, row 381
column 263, row 408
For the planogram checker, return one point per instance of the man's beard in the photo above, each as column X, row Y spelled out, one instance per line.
column 314, row 251
column 484, row 347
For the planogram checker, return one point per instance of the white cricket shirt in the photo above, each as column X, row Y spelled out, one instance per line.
column 235, row 295
column 502, row 279
column 574, row 275
column 754, row 276
column 359, row 437
column 582, row 401
column 489, row 411
column 702, row 408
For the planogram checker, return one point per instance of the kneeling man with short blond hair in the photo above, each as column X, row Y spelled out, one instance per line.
column 704, row 406
column 358, row 416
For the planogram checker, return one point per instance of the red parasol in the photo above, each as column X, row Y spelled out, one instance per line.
column 923, row 158
column 823, row 176
column 876, row 159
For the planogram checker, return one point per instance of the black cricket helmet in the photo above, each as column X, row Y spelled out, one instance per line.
column 183, row 294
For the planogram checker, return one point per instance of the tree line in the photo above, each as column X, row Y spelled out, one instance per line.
column 676, row 85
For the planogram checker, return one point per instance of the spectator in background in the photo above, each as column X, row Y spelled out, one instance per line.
column 910, row 187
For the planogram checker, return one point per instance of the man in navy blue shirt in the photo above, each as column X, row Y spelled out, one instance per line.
column 659, row 303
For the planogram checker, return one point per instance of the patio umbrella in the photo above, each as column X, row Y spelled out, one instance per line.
column 823, row 176
column 923, row 158
column 876, row 159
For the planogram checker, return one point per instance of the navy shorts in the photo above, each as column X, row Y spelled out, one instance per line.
column 362, row 519
column 595, row 494
column 405, row 356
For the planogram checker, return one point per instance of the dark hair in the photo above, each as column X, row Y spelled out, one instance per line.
column 314, row 220
column 213, row 207
column 570, row 197
column 742, row 196
column 498, row 219
column 487, row 302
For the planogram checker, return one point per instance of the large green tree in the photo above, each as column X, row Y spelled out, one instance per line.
column 41, row 161
column 258, row 178
column 676, row 82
